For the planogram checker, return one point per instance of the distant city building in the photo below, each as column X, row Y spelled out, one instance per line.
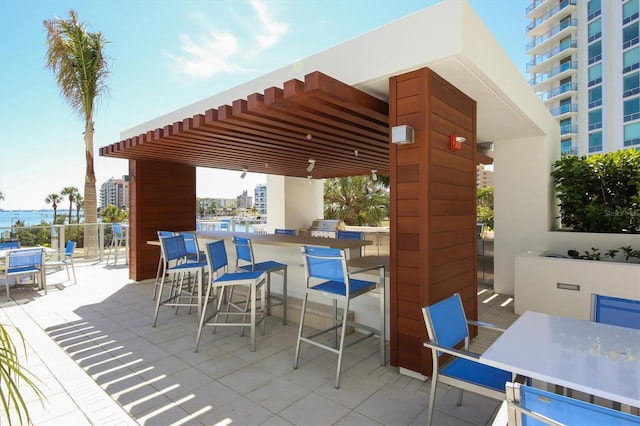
column 260, row 196
column 484, row 176
column 116, row 192
column 244, row 201
column 585, row 66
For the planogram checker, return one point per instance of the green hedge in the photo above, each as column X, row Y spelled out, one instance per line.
column 599, row 193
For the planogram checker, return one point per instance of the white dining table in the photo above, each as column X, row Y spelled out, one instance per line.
column 599, row 359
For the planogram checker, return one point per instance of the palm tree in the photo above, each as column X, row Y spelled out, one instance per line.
column 71, row 192
column 79, row 206
column 76, row 58
column 357, row 200
column 53, row 199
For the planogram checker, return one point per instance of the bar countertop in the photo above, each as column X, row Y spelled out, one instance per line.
column 284, row 240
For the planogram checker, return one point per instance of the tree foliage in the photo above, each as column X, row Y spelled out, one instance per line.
column 72, row 193
column 76, row 58
column 599, row 193
column 484, row 206
column 113, row 213
column 53, row 199
column 357, row 200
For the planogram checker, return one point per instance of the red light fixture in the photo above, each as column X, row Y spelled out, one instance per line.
column 455, row 142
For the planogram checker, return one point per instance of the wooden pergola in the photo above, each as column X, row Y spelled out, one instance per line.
column 345, row 130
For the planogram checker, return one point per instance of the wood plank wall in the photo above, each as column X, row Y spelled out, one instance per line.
column 163, row 197
column 433, row 190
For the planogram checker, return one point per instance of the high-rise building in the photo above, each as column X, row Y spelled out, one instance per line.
column 114, row 191
column 244, row 201
column 260, row 197
column 484, row 176
column 585, row 60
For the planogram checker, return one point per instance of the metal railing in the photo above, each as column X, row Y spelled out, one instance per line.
column 93, row 240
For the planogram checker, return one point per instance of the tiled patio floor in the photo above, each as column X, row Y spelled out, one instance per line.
column 100, row 362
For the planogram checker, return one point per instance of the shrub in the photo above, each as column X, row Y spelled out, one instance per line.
column 599, row 193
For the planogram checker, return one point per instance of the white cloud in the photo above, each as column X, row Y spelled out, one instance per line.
column 272, row 30
column 208, row 57
column 212, row 52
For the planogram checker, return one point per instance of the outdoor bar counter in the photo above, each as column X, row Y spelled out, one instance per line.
column 286, row 249
column 287, row 240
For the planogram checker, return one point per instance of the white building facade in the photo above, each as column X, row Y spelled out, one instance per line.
column 585, row 67
column 114, row 192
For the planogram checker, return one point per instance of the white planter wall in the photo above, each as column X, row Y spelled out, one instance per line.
column 564, row 286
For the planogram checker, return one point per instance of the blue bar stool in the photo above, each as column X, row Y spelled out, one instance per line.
column 245, row 261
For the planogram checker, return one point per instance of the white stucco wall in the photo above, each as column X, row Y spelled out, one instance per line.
column 293, row 202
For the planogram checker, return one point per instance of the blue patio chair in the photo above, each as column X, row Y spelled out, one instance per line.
column 352, row 235
column 177, row 267
column 532, row 406
column 194, row 254
column 65, row 260
column 245, row 261
column 21, row 262
column 10, row 245
column 118, row 238
column 220, row 280
column 281, row 231
column 615, row 311
column 447, row 326
column 161, row 263
column 327, row 276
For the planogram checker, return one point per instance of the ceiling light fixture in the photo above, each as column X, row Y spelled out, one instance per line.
column 374, row 175
column 244, row 173
column 312, row 164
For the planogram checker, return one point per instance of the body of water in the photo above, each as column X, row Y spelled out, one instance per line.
column 29, row 217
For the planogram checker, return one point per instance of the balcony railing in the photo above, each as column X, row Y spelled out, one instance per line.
column 546, row 36
column 536, row 22
column 551, row 53
column 564, row 109
column 557, row 91
column 541, row 78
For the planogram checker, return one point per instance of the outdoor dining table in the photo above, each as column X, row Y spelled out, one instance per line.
column 598, row 359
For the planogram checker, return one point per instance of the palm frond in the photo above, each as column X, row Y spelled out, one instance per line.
column 12, row 373
column 77, row 59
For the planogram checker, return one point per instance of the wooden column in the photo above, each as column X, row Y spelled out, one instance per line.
column 433, row 222
column 162, row 197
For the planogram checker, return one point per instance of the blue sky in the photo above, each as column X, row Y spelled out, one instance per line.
column 166, row 54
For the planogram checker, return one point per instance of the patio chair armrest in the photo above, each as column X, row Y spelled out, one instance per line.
column 471, row 356
column 518, row 408
column 368, row 268
column 486, row 325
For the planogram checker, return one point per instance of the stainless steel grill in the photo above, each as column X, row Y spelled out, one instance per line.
column 325, row 228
